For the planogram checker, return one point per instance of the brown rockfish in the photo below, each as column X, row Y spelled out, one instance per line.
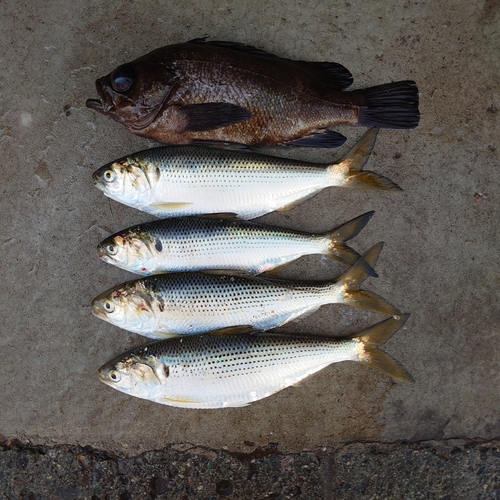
column 223, row 92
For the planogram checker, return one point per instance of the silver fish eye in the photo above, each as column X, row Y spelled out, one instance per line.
column 109, row 306
column 109, row 175
column 111, row 249
column 114, row 375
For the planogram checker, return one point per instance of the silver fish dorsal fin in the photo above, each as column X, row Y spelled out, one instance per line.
column 229, row 216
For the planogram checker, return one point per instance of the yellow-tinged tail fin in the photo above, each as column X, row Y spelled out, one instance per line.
column 338, row 249
column 354, row 276
column 372, row 338
column 356, row 159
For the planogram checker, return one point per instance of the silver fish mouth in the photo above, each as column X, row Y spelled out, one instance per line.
column 101, row 251
column 103, row 373
column 98, row 309
column 97, row 182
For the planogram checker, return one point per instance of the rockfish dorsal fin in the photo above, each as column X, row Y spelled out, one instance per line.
column 333, row 75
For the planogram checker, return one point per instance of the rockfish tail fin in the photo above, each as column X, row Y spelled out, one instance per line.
column 356, row 159
column 371, row 338
column 392, row 105
column 337, row 248
column 354, row 276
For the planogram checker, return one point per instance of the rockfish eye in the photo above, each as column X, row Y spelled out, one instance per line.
column 114, row 375
column 122, row 78
column 109, row 175
column 109, row 306
column 111, row 249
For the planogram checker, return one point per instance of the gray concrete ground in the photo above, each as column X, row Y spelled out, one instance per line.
column 440, row 261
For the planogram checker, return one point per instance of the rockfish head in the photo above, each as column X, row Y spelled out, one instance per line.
column 128, row 306
column 135, row 93
column 124, row 180
column 133, row 251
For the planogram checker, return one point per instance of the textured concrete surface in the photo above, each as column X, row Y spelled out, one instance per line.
column 440, row 262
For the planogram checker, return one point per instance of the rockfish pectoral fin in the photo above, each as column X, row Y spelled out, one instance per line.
column 212, row 115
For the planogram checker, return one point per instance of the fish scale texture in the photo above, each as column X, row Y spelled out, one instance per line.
column 221, row 293
column 223, row 301
column 217, row 371
column 225, row 356
column 175, row 181
column 227, row 168
column 236, row 247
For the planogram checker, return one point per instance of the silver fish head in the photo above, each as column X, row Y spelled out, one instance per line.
column 124, row 180
column 131, row 375
column 133, row 251
column 127, row 306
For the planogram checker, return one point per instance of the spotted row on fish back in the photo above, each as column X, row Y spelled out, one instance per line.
column 206, row 300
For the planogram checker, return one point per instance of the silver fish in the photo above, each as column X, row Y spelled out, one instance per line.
column 166, row 305
column 221, row 370
column 197, row 243
column 188, row 180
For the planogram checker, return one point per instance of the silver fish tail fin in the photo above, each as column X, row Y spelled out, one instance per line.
column 337, row 248
column 356, row 159
column 371, row 338
column 354, row 276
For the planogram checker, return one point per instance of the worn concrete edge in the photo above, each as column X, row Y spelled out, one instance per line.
column 258, row 451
